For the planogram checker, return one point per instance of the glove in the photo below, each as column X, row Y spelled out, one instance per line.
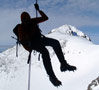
column 36, row 6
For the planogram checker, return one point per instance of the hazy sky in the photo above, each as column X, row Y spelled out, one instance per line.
column 83, row 14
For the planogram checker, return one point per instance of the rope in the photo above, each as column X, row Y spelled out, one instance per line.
column 29, row 76
column 29, row 61
column 36, row 10
column 29, row 57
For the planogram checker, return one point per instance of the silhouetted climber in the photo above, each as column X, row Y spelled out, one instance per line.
column 29, row 35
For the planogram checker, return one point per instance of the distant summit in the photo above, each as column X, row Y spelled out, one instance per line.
column 70, row 30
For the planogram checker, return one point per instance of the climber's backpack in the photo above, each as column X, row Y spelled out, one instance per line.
column 27, row 33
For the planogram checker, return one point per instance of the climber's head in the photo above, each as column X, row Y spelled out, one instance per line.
column 25, row 17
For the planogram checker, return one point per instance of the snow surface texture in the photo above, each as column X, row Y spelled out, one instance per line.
column 78, row 50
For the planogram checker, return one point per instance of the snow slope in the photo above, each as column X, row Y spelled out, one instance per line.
column 78, row 51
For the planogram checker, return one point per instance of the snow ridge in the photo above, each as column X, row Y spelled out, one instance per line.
column 70, row 30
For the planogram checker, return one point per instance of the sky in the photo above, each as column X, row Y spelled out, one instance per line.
column 83, row 14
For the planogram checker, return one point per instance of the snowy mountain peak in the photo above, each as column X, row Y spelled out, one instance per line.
column 70, row 30
column 77, row 51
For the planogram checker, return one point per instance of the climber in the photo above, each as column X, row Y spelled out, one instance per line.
column 29, row 35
